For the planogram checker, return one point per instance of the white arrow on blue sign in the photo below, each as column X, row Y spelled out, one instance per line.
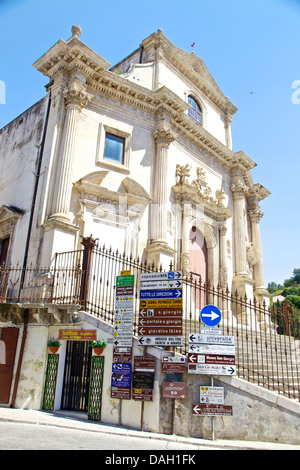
column 211, row 315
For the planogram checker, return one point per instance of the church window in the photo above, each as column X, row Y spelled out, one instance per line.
column 114, row 148
column 194, row 110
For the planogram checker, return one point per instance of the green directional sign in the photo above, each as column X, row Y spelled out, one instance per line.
column 125, row 280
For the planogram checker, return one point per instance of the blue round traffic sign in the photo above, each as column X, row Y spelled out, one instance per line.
column 210, row 315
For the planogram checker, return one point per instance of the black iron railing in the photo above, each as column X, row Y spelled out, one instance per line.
column 267, row 338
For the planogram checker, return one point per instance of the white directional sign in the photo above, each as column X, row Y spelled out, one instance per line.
column 161, row 276
column 212, row 349
column 173, row 284
column 211, row 354
column 123, row 321
column 160, row 341
column 212, row 369
column 210, row 339
column 212, row 395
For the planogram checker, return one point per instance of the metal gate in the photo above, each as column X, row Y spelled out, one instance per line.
column 76, row 383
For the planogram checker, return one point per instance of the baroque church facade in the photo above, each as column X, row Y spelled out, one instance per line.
column 140, row 156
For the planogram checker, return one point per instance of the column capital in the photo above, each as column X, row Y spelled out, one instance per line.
column 223, row 230
column 75, row 96
column 239, row 189
column 163, row 137
column 255, row 214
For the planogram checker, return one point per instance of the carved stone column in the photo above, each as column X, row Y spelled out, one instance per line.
column 228, row 121
column 75, row 100
column 159, row 252
column 242, row 283
column 258, row 272
column 163, row 138
column 223, row 258
column 238, row 190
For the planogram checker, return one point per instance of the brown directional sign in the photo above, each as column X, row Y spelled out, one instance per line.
column 160, row 312
column 124, row 290
column 174, row 390
column 173, row 364
column 210, row 359
column 143, row 394
column 212, row 410
column 155, row 321
column 144, row 363
column 122, row 354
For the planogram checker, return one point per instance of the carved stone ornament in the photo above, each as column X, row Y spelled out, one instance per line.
column 239, row 188
column 255, row 214
column 182, row 174
column 76, row 97
column 163, row 137
column 251, row 255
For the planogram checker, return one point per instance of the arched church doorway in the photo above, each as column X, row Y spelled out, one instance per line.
column 198, row 263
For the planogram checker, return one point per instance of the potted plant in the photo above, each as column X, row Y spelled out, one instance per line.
column 98, row 346
column 53, row 344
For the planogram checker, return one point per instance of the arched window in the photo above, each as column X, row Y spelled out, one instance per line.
column 194, row 110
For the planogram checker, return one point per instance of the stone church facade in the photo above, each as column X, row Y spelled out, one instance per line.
column 140, row 156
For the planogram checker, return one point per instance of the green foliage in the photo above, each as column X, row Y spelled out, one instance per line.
column 273, row 287
column 98, row 344
column 53, row 342
column 290, row 289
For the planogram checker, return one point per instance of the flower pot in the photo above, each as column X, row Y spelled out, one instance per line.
column 54, row 349
column 98, row 351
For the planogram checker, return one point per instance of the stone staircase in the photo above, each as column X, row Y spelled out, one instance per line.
column 264, row 358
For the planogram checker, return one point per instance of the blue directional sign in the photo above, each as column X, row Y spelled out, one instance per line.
column 161, row 294
column 211, row 315
column 121, row 375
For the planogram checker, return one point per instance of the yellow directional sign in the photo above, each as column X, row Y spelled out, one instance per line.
column 160, row 303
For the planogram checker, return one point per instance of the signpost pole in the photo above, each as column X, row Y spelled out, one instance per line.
column 143, row 403
column 212, row 418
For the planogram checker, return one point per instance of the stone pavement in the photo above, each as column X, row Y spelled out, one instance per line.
column 79, row 421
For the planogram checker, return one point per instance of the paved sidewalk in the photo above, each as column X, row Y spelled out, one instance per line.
column 79, row 421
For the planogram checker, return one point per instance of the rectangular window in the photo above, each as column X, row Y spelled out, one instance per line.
column 114, row 148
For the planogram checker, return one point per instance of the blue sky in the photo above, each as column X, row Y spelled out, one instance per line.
column 252, row 49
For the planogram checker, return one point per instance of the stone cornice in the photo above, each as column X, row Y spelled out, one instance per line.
column 71, row 56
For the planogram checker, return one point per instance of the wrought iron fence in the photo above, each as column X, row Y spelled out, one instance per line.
column 267, row 338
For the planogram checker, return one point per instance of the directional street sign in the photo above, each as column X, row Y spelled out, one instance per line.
column 125, row 280
column 161, row 303
column 210, row 339
column 161, row 276
column 161, row 294
column 211, row 349
column 160, row 341
column 211, row 315
column 212, row 410
column 210, row 359
column 212, row 369
column 123, row 321
column 174, row 390
column 160, row 312
column 212, row 395
column 173, row 284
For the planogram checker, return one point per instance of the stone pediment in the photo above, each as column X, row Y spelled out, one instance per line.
column 189, row 65
column 91, row 189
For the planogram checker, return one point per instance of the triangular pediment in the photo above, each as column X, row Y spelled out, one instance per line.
column 9, row 213
column 188, row 64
